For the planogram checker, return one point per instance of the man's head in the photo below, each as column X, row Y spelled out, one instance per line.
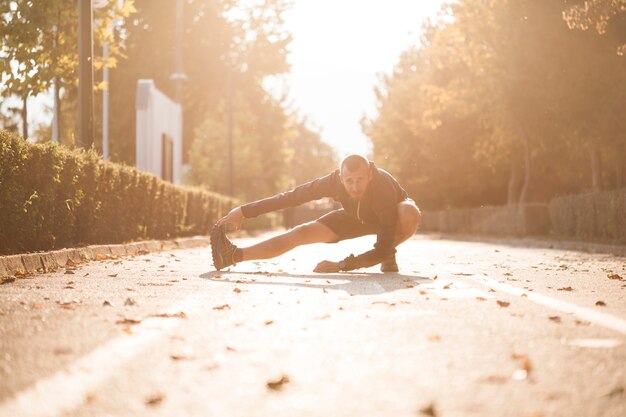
column 355, row 175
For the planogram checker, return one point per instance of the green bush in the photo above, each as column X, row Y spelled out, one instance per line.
column 53, row 197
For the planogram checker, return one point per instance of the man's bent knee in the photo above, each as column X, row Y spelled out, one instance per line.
column 409, row 217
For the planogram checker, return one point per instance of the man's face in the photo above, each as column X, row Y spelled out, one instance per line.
column 356, row 182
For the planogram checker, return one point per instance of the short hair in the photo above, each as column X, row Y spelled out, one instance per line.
column 353, row 162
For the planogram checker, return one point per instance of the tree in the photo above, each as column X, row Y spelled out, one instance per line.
column 39, row 45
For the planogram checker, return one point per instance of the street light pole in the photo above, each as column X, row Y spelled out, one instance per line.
column 85, row 70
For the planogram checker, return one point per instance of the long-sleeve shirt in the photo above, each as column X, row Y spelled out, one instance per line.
column 379, row 206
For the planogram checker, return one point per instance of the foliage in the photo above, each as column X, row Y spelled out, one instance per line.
column 229, row 48
column 500, row 103
column 52, row 197
column 39, row 43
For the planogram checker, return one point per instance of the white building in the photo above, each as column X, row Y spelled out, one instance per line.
column 159, row 133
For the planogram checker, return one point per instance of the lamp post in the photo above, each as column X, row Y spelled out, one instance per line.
column 85, row 74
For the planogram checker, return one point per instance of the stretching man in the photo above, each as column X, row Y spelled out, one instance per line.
column 373, row 203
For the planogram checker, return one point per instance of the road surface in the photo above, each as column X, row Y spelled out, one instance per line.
column 465, row 329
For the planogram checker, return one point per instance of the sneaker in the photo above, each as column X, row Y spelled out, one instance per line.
column 389, row 264
column 222, row 249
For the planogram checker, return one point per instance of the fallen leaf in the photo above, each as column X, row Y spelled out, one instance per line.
column 508, row 274
column 524, row 295
column 237, row 290
column 615, row 276
column 179, row 315
column 69, row 272
column 555, row 319
column 231, row 349
column 107, row 304
column 481, row 299
column 100, row 257
column 161, row 266
column 422, row 292
column 429, row 410
column 130, row 302
column 155, row 399
column 267, row 323
column 6, row 280
column 600, row 303
column 565, row 289
column 616, row 392
column 447, row 287
column 278, row 383
column 222, row 307
column 113, row 275
column 503, row 303
column 179, row 357
column 492, row 290
column 127, row 321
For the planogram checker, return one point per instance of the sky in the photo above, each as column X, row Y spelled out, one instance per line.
column 339, row 47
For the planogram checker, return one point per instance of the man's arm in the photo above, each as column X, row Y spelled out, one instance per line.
column 313, row 190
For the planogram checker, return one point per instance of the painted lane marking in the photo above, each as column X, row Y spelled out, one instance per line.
column 603, row 319
column 67, row 389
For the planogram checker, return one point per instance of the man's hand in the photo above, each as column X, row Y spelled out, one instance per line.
column 326, row 267
column 234, row 217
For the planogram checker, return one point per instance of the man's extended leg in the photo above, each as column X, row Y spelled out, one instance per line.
column 304, row 234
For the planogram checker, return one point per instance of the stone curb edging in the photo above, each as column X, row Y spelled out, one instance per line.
column 537, row 242
column 31, row 263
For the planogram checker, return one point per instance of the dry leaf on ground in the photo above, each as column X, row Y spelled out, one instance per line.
column 600, row 303
column 503, row 303
column 278, row 383
column 565, row 289
column 615, row 276
column 429, row 410
column 154, row 399
column 179, row 315
column 127, row 321
column 222, row 307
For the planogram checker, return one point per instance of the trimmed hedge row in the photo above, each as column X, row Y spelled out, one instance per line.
column 597, row 216
column 594, row 216
column 514, row 220
column 53, row 197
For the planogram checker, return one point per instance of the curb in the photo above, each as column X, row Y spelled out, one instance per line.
column 41, row 262
column 537, row 242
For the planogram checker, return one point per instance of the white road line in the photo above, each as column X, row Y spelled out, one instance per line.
column 68, row 388
column 603, row 319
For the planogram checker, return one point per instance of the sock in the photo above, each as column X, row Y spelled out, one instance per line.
column 238, row 255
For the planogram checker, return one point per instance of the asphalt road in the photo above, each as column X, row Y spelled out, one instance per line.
column 465, row 329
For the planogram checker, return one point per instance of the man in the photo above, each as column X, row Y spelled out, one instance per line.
column 373, row 203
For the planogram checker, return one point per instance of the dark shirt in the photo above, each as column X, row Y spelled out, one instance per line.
column 379, row 206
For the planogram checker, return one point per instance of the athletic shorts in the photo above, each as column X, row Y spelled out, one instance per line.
column 347, row 226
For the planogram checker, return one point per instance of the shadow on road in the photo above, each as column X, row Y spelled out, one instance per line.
column 353, row 283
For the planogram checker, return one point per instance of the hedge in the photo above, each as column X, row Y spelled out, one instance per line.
column 590, row 216
column 513, row 220
column 53, row 197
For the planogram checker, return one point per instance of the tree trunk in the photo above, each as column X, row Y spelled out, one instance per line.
column 57, row 109
column 513, row 182
column 523, row 197
column 595, row 168
column 25, row 116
